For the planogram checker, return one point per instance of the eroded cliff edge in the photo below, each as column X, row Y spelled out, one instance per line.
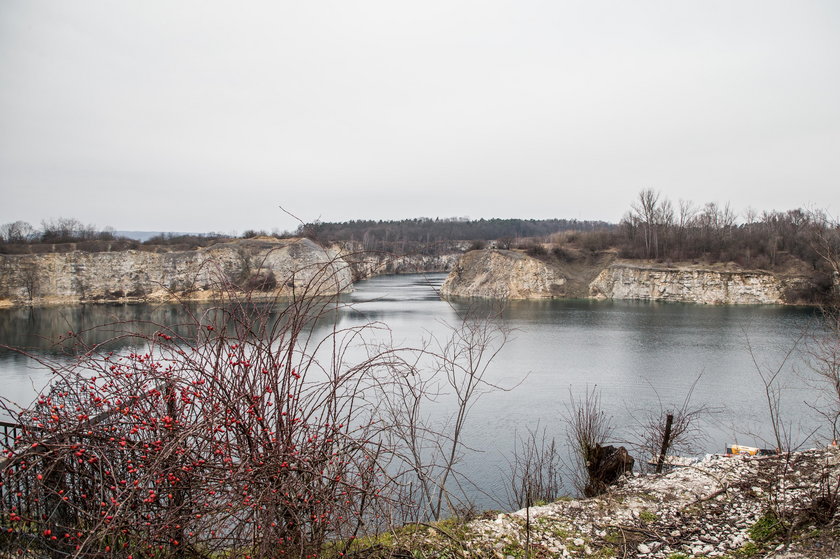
column 513, row 274
column 510, row 274
column 264, row 265
column 623, row 280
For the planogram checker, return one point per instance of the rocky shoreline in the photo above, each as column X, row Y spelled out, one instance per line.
column 264, row 267
column 729, row 507
column 512, row 274
column 268, row 267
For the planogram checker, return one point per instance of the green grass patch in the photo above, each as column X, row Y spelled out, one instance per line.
column 749, row 549
column 614, row 537
column 647, row 517
column 767, row 528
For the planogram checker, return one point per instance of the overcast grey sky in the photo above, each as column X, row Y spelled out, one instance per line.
column 207, row 115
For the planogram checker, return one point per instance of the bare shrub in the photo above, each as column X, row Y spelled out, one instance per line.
column 823, row 353
column 249, row 430
column 658, row 439
column 534, row 470
column 243, row 432
column 261, row 281
column 563, row 255
column 534, row 476
column 589, row 429
column 774, row 385
column 429, row 452
column 537, row 251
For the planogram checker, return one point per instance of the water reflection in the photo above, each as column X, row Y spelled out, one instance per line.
column 637, row 353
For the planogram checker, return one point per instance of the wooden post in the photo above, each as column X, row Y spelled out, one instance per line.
column 666, row 442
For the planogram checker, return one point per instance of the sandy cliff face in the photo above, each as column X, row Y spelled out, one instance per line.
column 503, row 274
column 277, row 267
column 688, row 285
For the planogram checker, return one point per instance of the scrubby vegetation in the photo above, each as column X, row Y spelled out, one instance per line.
column 69, row 234
column 653, row 229
column 390, row 234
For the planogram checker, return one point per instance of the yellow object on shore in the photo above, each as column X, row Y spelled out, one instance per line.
column 736, row 449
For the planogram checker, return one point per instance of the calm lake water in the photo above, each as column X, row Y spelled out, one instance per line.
column 638, row 354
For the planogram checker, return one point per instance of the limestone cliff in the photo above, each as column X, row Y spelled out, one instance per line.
column 269, row 266
column 624, row 280
column 377, row 264
column 503, row 274
column 440, row 257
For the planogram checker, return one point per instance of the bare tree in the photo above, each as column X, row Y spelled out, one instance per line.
column 685, row 219
column 645, row 211
column 30, row 275
column 430, row 451
column 772, row 376
column 671, row 428
column 16, row 232
column 825, row 241
column 63, row 230
column 823, row 353
column 823, row 343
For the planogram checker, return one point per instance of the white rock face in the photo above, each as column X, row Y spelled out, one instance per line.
column 627, row 281
column 367, row 265
column 297, row 266
column 505, row 274
column 502, row 274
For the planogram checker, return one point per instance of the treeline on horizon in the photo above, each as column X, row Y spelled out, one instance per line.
column 657, row 229
column 64, row 234
column 654, row 228
column 418, row 234
column 381, row 234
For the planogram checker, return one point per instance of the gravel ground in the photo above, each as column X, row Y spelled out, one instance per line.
column 737, row 507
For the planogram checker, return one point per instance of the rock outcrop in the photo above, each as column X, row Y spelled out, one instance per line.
column 366, row 265
column 503, row 274
column 692, row 285
column 508, row 274
column 412, row 259
column 271, row 267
